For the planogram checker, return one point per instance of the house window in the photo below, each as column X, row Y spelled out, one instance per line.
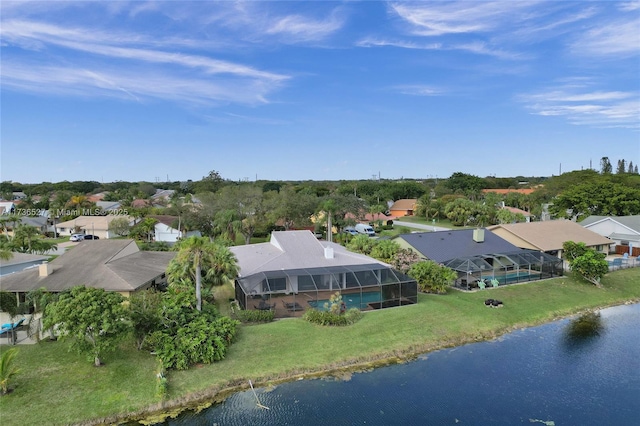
column 624, row 243
column 274, row 284
column 306, row 282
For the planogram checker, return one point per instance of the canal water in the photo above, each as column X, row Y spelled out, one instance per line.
column 579, row 371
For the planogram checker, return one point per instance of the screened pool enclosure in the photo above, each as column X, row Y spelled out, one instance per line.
column 291, row 292
column 504, row 268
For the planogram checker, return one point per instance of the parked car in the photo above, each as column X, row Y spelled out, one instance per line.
column 76, row 237
column 363, row 228
column 91, row 237
column 350, row 230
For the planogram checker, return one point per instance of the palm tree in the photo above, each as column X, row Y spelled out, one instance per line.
column 7, row 369
column 196, row 254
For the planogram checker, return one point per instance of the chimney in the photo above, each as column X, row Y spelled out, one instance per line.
column 45, row 269
column 478, row 235
column 328, row 252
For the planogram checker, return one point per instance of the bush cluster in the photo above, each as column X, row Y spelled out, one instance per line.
column 246, row 316
column 316, row 316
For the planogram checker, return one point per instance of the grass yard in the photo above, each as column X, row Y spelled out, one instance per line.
column 63, row 387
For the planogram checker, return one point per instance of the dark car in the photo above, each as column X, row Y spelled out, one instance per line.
column 91, row 237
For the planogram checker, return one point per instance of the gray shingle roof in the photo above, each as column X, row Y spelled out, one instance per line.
column 632, row 222
column 294, row 250
column 18, row 258
column 113, row 265
column 442, row 246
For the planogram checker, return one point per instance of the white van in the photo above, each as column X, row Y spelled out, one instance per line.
column 363, row 228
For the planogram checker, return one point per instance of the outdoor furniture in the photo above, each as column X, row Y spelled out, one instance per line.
column 481, row 284
column 495, row 282
column 295, row 306
column 264, row 306
column 10, row 328
column 617, row 262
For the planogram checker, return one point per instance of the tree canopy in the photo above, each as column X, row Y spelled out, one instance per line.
column 95, row 320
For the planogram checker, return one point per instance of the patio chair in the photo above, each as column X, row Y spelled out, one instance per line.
column 481, row 284
column 495, row 282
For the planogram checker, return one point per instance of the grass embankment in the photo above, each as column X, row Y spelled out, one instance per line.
column 58, row 387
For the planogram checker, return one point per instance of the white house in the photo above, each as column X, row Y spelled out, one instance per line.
column 7, row 207
column 623, row 230
column 166, row 229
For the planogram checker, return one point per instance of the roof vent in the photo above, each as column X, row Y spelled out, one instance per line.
column 328, row 252
column 478, row 235
column 45, row 269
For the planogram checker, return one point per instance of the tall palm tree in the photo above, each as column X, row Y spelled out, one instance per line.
column 198, row 253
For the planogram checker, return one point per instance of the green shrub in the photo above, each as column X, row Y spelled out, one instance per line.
column 246, row 316
column 316, row 316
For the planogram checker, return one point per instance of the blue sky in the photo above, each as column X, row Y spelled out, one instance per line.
column 289, row 90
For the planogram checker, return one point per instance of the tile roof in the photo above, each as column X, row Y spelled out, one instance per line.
column 113, row 265
column 442, row 246
column 404, row 204
column 517, row 210
column 550, row 235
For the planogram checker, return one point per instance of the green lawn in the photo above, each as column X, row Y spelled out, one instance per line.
column 58, row 387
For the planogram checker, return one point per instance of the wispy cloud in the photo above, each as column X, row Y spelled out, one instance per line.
column 581, row 105
column 298, row 28
column 188, row 77
column 440, row 18
column 418, row 90
column 132, row 85
column 618, row 38
column 476, row 47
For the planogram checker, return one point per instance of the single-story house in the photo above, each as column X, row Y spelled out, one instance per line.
column 7, row 207
column 95, row 225
column 109, row 206
column 19, row 262
column 479, row 254
column 39, row 222
column 515, row 210
column 404, row 207
column 624, row 231
column 163, row 194
column 113, row 265
column 19, row 195
column 166, row 229
column 549, row 236
column 295, row 270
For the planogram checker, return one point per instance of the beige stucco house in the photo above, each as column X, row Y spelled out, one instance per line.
column 549, row 236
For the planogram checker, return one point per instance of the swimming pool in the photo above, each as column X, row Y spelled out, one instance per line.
column 352, row 300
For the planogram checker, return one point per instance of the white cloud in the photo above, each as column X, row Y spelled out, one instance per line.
column 418, row 90
column 617, row 38
column 81, row 71
column 299, row 28
column 582, row 106
column 440, row 18
column 131, row 84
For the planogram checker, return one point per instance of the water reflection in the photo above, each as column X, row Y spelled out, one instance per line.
column 584, row 329
column 584, row 371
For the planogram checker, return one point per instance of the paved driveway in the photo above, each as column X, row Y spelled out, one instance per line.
column 62, row 247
